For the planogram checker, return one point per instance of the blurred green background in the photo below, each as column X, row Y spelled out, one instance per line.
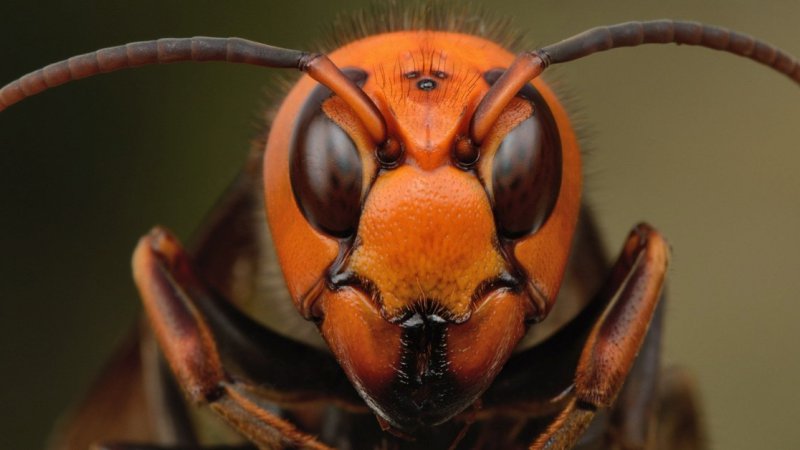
column 702, row 145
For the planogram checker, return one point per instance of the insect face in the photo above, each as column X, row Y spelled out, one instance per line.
column 424, row 271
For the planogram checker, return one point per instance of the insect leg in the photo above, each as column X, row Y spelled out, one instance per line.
column 633, row 423
column 634, row 286
column 174, row 300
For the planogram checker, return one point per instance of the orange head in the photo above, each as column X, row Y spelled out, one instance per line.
column 422, row 259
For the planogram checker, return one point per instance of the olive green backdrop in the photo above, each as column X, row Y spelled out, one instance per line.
column 700, row 144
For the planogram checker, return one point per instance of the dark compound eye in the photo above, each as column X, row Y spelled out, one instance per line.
column 325, row 170
column 526, row 171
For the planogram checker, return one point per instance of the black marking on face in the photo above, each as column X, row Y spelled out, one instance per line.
column 424, row 392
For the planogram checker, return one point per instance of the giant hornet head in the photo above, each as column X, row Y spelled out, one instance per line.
column 422, row 258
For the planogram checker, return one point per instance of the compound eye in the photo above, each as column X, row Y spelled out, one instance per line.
column 326, row 173
column 325, row 170
column 526, row 174
column 325, row 167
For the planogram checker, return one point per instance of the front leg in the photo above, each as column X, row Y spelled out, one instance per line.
column 614, row 341
column 174, row 300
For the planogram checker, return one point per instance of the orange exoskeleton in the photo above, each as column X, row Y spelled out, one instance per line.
column 423, row 192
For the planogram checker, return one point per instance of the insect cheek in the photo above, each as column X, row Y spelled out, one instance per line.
column 540, row 244
column 531, row 170
column 303, row 251
column 314, row 179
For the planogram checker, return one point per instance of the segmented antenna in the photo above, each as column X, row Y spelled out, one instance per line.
column 170, row 50
column 630, row 34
